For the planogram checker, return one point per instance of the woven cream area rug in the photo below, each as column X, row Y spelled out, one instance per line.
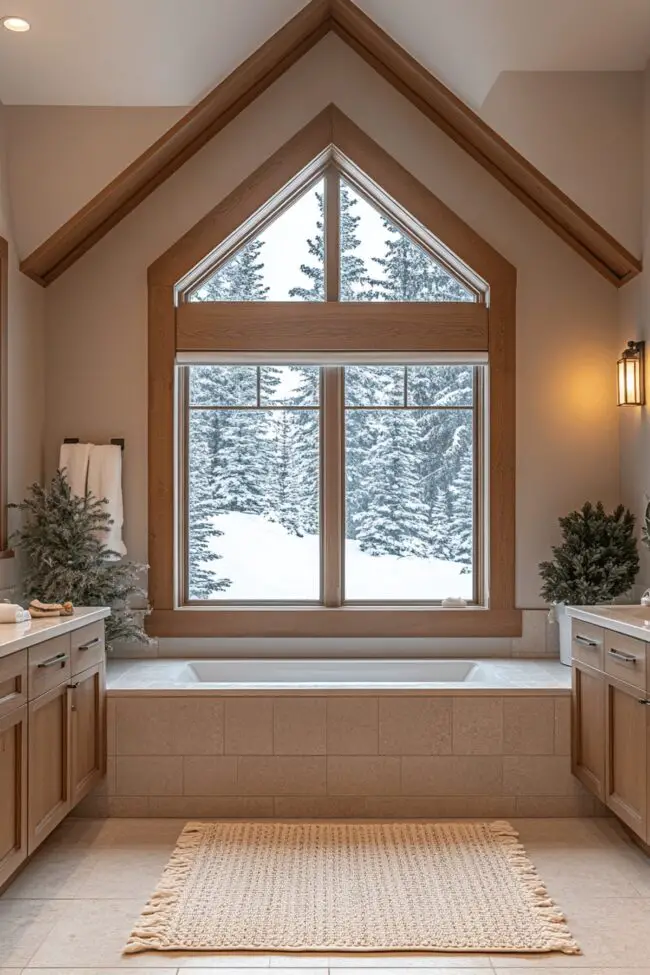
column 452, row 887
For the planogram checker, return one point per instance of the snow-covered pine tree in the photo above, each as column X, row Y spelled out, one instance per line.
column 410, row 274
column 395, row 520
column 65, row 559
column 303, row 426
column 226, row 461
column 462, row 512
column 239, row 279
column 204, row 580
column 353, row 273
column 315, row 272
column 442, row 450
column 293, row 500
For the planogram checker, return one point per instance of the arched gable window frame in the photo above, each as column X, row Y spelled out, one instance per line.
column 329, row 145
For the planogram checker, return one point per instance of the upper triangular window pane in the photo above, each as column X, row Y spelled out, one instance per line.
column 379, row 262
column 285, row 262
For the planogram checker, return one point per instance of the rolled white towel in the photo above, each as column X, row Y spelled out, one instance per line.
column 11, row 613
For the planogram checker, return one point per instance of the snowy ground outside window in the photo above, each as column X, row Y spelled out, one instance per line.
column 264, row 561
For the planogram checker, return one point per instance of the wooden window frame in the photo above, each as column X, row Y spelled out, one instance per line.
column 5, row 551
column 331, row 410
column 193, row 327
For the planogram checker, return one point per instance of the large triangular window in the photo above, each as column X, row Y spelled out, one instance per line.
column 332, row 391
column 375, row 258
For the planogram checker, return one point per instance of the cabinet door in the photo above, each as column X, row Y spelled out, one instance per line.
column 49, row 765
column 588, row 728
column 13, row 791
column 88, row 753
column 626, row 767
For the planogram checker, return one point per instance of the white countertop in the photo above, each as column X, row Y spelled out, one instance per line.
column 631, row 620
column 159, row 676
column 17, row 636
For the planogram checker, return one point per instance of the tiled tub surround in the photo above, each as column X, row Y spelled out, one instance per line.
column 498, row 748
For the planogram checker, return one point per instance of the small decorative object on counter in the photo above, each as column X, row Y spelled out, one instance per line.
column 13, row 613
column 39, row 610
column 597, row 561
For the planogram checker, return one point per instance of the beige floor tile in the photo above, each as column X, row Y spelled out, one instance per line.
column 133, row 834
column 122, row 875
column 543, row 970
column 207, row 962
column 92, row 934
column 390, row 963
column 299, row 961
column 612, row 933
column 24, row 926
column 94, row 971
column 441, row 969
column 54, row 873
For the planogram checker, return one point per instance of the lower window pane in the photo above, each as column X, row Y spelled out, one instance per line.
column 253, row 505
column 409, row 504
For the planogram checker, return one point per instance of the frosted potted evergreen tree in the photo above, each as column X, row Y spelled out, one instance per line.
column 597, row 561
column 64, row 557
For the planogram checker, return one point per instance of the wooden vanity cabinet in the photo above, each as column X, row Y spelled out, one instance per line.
column 611, row 721
column 49, row 762
column 13, row 791
column 52, row 737
column 588, row 728
column 87, row 733
column 626, row 765
column 13, row 763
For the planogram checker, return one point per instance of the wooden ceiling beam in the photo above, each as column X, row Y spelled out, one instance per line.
column 486, row 146
column 219, row 107
column 266, row 65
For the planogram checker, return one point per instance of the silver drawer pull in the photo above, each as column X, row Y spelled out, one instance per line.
column 644, row 700
column 584, row 641
column 91, row 643
column 59, row 658
column 625, row 658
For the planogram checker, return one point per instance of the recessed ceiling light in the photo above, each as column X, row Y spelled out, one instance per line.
column 17, row 24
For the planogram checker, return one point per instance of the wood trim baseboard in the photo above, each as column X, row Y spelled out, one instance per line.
column 534, row 190
column 272, row 326
column 345, row 621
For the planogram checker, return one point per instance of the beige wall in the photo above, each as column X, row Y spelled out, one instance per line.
column 634, row 323
column 26, row 357
column 59, row 157
column 567, row 342
column 583, row 129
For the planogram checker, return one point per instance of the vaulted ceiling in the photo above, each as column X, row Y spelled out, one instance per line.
column 377, row 46
column 171, row 52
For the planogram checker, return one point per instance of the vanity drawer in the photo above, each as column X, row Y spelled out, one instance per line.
column 625, row 659
column 87, row 646
column 13, row 682
column 587, row 643
column 48, row 665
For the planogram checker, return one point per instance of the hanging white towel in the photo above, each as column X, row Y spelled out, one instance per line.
column 73, row 458
column 105, row 481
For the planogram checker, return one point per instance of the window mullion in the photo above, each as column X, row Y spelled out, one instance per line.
column 332, row 235
column 332, row 472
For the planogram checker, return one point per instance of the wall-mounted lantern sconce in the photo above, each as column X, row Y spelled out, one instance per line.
column 631, row 375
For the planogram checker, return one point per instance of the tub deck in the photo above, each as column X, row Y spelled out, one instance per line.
column 308, row 677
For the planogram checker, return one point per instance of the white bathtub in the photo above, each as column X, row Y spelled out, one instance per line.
column 331, row 674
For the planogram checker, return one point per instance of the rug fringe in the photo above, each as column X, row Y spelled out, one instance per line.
column 552, row 918
column 154, row 920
